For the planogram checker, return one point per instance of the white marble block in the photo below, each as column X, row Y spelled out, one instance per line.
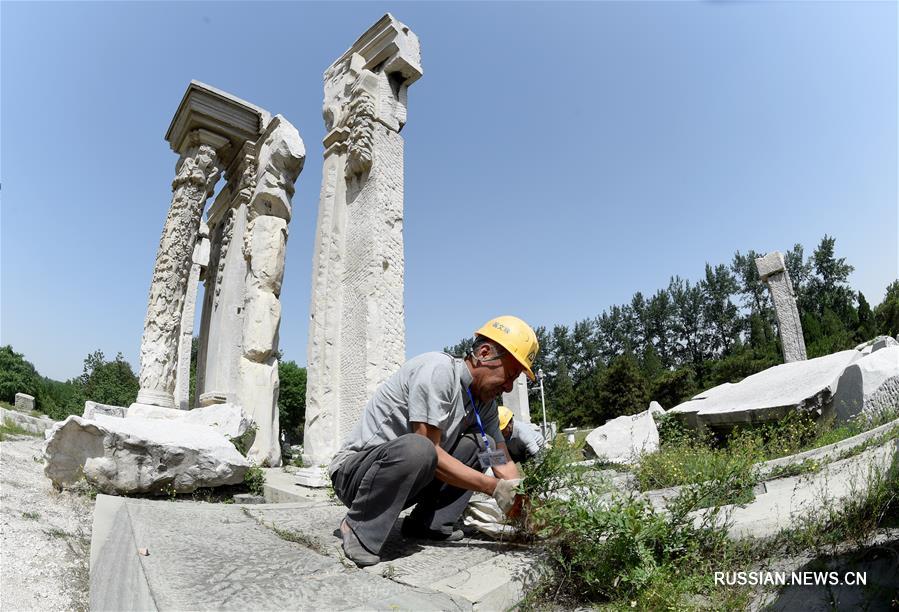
column 24, row 402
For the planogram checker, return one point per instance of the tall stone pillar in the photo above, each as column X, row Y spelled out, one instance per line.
column 200, row 260
column 278, row 164
column 357, row 328
column 206, row 130
column 773, row 271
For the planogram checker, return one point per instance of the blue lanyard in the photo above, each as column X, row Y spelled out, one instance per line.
column 478, row 418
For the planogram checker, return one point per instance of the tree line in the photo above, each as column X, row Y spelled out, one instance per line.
column 691, row 336
column 666, row 347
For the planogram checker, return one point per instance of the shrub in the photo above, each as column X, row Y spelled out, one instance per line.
column 254, row 480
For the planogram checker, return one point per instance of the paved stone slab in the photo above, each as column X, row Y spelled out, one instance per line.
column 449, row 567
column 281, row 488
column 788, row 500
column 232, row 563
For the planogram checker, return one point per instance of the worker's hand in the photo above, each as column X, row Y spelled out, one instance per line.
column 505, row 493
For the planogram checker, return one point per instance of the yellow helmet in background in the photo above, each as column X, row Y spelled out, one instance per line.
column 505, row 415
column 516, row 337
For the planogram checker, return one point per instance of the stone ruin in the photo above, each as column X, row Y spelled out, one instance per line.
column 356, row 327
column 238, row 253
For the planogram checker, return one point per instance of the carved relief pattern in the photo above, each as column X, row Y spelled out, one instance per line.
column 361, row 123
column 227, row 232
column 197, row 172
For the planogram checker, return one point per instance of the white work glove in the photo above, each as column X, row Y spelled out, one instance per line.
column 505, row 492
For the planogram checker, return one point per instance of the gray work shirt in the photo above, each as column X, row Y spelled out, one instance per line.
column 525, row 442
column 430, row 388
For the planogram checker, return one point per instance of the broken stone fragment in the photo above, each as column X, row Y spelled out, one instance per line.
column 227, row 419
column 136, row 455
column 625, row 439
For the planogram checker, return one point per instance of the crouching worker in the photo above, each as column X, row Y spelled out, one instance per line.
column 426, row 437
column 521, row 440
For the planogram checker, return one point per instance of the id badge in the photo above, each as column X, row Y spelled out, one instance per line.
column 489, row 458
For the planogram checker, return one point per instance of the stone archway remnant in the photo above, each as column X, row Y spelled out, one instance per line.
column 238, row 253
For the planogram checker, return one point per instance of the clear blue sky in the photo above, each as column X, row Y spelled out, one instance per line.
column 559, row 157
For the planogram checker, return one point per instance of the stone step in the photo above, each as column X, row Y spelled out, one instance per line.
column 203, row 556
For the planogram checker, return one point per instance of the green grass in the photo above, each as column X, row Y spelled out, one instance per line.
column 9, row 428
column 299, row 538
column 617, row 553
column 686, row 457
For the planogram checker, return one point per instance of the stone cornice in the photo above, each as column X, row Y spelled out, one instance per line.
column 207, row 108
column 388, row 46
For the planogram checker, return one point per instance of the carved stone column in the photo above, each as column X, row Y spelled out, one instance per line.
column 199, row 261
column 278, row 164
column 207, row 128
column 773, row 272
column 357, row 328
column 197, row 172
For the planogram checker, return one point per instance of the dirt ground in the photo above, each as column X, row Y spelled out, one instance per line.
column 44, row 534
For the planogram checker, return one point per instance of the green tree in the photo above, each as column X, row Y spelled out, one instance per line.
column 720, row 316
column 674, row 387
column 887, row 312
column 292, row 400
column 108, row 382
column 16, row 375
column 623, row 389
column 867, row 327
column 560, row 396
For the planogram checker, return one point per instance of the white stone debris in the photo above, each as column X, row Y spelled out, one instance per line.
column 770, row 394
column 844, row 385
column 356, row 328
column 626, row 438
column 136, row 455
column 861, row 380
column 773, row 271
column 876, row 344
column 228, row 420
column 91, row 409
column 34, row 424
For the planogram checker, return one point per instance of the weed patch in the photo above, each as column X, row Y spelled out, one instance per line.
column 299, row 538
column 10, row 428
column 254, row 480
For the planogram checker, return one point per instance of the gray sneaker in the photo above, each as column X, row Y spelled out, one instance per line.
column 354, row 549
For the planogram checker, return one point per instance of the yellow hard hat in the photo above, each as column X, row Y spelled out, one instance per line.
column 515, row 336
column 505, row 415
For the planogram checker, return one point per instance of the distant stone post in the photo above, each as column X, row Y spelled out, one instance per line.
column 773, row 271
column 357, row 329
column 517, row 400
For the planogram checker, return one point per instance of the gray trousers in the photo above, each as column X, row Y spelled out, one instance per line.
column 378, row 483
